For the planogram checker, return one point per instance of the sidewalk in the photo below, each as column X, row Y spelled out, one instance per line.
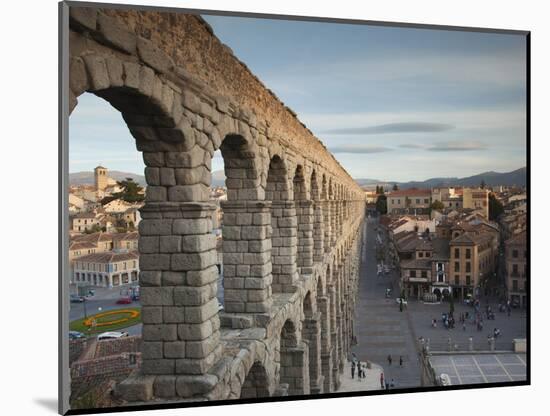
column 370, row 382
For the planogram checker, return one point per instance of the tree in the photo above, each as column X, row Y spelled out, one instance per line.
column 382, row 204
column 495, row 207
column 395, row 187
column 379, row 190
column 437, row 205
column 131, row 191
column 482, row 185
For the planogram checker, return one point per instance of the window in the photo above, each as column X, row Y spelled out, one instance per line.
column 468, row 267
column 412, row 273
column 427, row 254
column 424, row 274
column 457, row 279
column 420, row 254
column 468, row 253
column 514, row 285
column 417, row 201
column 426, row 201
column 515, row 254
column 398, row 201
column 134, row 264
column 468, row 281
column 457, row 266
column 514, row 269
column 457, row 252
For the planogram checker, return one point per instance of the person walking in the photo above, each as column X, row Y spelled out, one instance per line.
column 400, row 361
column 389, row 359
column 382, row 380
column 352, row 370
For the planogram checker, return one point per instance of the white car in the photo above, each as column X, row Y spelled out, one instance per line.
column 398, row 300
column 111, row 335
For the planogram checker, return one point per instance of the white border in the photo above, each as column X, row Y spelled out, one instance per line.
column 29, row 202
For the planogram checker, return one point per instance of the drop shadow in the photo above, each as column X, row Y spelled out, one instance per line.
column 47, row 403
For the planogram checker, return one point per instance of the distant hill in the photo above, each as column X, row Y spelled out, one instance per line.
column 517, row 177
column 87, row 178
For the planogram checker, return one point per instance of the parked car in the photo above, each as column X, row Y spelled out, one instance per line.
column 77, row 299
column 112, row 335
column 398, row 300
column 76, row 335
column 124, row 300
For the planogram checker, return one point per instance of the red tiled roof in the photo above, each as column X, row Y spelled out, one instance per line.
column 411, row 192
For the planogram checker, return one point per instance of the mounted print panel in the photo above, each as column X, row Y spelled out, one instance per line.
column 224, row 238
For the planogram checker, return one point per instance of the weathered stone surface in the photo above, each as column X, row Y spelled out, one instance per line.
column 115, row 35
column 277, row 245
column 78, row 78
column 97, row 71
column 85, row 17
column 154, row 56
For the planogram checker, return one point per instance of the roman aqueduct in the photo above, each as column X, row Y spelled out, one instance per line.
column 292, row 221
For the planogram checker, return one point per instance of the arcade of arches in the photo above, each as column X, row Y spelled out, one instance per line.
column 292, row 221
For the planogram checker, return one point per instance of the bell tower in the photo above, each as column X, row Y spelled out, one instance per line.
column 100, row 178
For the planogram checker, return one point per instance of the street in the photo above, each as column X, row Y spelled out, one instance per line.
column 104, row 300
column 380, row 327
column 383, row 330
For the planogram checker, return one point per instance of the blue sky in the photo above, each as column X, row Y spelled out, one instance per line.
column 390, row 103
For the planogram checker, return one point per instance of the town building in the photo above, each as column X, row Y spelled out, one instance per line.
column 101, row 178
column 108, row 269
column 515, row 255
column 450, row 197
column 473, row 258
column 476, row 199
column 409, row 201
column 85, row 221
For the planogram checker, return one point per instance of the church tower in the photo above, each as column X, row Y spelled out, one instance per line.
column 101, row 178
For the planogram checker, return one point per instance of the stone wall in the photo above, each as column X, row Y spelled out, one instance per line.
column 291, row 232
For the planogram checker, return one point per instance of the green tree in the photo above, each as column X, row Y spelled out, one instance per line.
column 395, row 187
column 382, row 204
column 131, row 191
column 495, row 207
column 437, row 205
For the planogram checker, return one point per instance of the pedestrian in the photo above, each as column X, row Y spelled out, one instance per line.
column 392, row 383
column 400, row 361
column 389, row 359
column 352, row 370
column 365, row 371
column 387, row 386
column 381, row 380
column 359, row 371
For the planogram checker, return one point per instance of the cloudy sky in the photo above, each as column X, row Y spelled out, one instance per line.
column 391, row 103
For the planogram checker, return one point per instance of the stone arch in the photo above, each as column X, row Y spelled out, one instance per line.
column 318, row 232
column 175, row 209
column 242, row 169
column 246, row 225
column 283, row 227
column 304, row 216
column 311, row 332
column 256, row 384
column 294, row 360
column 326, row 207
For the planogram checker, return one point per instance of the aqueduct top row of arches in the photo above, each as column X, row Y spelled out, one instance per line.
column 291, row 223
